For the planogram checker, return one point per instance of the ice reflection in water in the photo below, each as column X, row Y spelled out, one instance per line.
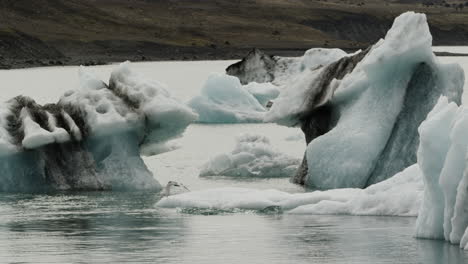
column 119, row 227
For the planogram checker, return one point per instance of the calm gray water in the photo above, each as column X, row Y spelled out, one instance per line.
column 126, row 227
column 106, row 227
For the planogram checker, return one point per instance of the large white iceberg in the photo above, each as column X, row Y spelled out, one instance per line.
column 92, row 138
column 360, row 114
column 398, row 196
column 253, row 156
column 442, row 156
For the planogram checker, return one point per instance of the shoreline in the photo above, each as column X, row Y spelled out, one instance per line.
column 204, row 55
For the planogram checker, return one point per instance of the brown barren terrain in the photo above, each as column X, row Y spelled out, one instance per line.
column 55, row 32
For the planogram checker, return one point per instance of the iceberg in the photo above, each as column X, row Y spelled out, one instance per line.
column 92, row 138
column 229, row 98
column 247, row 90
column 253, row 156
column 224, row 100
column 261, row 68
column 360, row 113
column 400, row 195
column 442, row 156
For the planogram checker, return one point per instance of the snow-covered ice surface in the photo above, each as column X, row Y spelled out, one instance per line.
column 253, row 156
column 442, row 156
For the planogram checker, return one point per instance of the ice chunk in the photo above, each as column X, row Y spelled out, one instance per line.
column 92, row 138
column 225, row 198
column 120, row 166
column 359, row 114
column 255, row 67
column 453, row 169
column 398, row 196
column 253, row 156
column 261, row 68
column 288, row 70
column 105, row 111
column 291, row 103
column 265, row 77
column 318, row 57
column 442, row 156
column 434, row 145
column 223, row 100
column 459, row 221
column 165, row 117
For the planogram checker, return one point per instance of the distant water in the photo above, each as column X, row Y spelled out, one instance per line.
column 126, row 227
column 452, row 49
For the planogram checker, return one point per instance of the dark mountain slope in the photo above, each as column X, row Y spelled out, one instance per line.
column 42, row 32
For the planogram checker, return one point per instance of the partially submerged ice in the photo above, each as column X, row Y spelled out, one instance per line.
column 442, row 156
column 360, row 113
column 92, row 138
column 253, row 156
column 399, row 196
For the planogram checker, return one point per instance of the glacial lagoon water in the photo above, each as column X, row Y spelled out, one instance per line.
column 127, row 227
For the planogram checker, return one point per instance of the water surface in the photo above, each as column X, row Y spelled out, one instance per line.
column 120, row 227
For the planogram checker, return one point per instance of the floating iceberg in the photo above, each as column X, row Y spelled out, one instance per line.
column 223, row 100
column 261, row 68
column 92, row 138
column 253, row 156
column 245, row 94
column 360, row 112
column 442, row 156
column 399, row 196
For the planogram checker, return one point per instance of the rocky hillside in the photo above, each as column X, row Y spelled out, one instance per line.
column 50, row 32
